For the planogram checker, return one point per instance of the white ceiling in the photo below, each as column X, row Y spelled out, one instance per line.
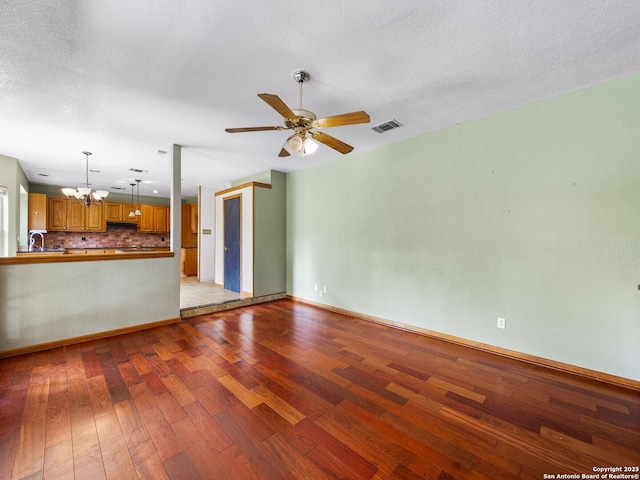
column 124, row 78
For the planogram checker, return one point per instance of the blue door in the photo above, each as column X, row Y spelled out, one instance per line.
column 232, row 244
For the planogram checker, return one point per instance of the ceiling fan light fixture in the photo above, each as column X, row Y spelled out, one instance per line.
column 303, row 122
column 309, row 146
column 294, row 143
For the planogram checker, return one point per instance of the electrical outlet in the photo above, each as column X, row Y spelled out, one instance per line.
column 315, row 287
column 320, row 293
column 324, row 289
column 502, row 323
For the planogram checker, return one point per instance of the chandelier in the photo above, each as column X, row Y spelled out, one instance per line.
column 84, row 194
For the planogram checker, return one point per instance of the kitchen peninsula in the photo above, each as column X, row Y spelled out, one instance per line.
column 74, row 232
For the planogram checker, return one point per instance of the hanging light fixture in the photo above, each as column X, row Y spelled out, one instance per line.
column 300, row 144
column 131, row 212
column 84, row 194
column 138, row 212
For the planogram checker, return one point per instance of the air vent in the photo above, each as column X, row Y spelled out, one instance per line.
column 117, row 188
column 386, row 126
column 137, row 170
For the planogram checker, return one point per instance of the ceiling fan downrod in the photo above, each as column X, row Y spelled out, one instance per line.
column 301, row 76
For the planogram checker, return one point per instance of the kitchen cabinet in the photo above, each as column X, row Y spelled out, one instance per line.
column 70, row 216
column 189, row 262
column 119, row 212
column 154, row 219
column 75, row 216
column 57, row 214
column 194, row 218
column 37, row 211
column 94, row 219
column 113, row 212
column 188, row 237
column 161, row 219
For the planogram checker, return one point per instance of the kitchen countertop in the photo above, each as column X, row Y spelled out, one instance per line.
column 54, row 255
column 126, row 248
column 44, row 250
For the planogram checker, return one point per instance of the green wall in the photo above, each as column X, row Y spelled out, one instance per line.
column 269, row 236
column 12, row 177
column 532, row 215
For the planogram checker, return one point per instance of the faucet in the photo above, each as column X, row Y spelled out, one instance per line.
column 32, row 240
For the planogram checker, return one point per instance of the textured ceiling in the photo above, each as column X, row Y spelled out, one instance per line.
column 124, row 78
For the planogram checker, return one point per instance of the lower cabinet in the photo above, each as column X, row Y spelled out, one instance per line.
column 188, row 262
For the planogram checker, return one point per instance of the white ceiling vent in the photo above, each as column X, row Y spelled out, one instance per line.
column 386, row 126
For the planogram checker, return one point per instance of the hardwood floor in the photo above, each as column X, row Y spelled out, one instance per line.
column 284, row 391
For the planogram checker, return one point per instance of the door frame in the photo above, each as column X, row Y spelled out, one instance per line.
column 240, row 246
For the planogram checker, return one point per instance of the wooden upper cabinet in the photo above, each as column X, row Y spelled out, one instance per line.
column 76, row 213
column 37, row 211
column 188, row 238
column 57, row 214
column 113, row 211
column 71, row 216
column 194, row 218
column 94, row 219
column 119, row 212
column 146, row 222
column 154, row 219
column 161, row 219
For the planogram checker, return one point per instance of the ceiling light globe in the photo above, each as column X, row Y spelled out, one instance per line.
column 309, row 146
column 293, row 143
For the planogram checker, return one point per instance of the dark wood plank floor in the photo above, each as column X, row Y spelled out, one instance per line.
column 287, row 391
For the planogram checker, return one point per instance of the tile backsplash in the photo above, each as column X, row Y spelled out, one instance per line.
column 113, row 237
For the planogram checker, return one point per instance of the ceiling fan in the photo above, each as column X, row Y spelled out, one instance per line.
column 303, row 121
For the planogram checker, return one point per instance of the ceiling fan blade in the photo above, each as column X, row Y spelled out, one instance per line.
column 278, row 105
column 332, row 142
column 283, row 153
column 344, row 119
column 251, row 129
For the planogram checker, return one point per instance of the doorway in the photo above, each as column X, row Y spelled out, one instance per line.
column 232, row 242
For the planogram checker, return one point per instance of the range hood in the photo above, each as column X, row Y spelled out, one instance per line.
column 127, row 225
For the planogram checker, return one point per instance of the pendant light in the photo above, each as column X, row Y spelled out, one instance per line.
column 84, row 194
column 131, row 212
column 138, row 212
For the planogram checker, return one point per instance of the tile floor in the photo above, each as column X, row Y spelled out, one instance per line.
column 194, row 293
